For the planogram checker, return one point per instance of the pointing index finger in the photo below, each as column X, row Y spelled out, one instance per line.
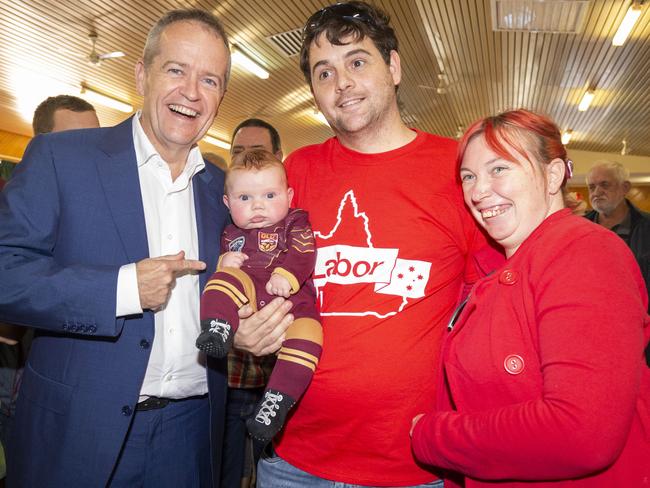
column 187, row 265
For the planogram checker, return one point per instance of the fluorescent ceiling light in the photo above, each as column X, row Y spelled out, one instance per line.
column 632, row 15
column 31, row 86
column 114, row 54
column 216, row 142
column 96, row 97
column 242, row 60
column 587, row 98
column 566, row 136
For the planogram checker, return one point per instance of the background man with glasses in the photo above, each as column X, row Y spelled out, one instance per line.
column 393, row 240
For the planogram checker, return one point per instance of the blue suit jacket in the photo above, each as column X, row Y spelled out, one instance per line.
column 70, row 217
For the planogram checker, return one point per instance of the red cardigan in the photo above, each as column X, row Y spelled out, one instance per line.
column 544, row 377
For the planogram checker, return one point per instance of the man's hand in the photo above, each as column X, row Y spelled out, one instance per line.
column 262, row 333
column 232, row 259
column 279, row 286
column 157, row 276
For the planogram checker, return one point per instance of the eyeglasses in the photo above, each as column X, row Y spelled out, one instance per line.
column 337, row 11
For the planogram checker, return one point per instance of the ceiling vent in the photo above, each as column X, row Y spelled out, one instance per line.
column 287, row 43
column 559, row 16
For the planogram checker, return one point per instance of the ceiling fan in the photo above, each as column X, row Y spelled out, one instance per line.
column 94, row 58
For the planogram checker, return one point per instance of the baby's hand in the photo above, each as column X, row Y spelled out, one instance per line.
column 232, row 259
column 278, row 285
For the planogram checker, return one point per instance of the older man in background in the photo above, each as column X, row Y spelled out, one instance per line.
column 608, row 183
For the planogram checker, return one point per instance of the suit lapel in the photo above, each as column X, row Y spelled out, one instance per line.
column 119, row 175
column 210, row 219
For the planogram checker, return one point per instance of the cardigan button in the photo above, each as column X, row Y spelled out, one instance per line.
column 509, row 277
column 513, row 364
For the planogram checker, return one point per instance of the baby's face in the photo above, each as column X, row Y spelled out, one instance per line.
column 258, row 199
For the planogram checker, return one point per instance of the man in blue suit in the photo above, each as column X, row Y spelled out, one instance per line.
column 105, row 236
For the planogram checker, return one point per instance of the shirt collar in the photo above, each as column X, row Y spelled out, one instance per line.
column 145, row 151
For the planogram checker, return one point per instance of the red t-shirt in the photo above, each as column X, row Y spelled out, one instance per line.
column 393, row 236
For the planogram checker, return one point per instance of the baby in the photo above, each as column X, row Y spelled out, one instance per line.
column 269, row 251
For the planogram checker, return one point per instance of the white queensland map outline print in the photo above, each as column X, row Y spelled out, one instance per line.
column 346, row 265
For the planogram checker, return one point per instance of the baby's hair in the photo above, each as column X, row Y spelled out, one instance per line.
column 254, row 160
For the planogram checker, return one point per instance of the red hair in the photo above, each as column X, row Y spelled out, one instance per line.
column 528, row 133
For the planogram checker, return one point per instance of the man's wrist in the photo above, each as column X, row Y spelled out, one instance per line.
column 127, row 295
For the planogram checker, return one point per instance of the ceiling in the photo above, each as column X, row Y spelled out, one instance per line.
column 456, row 68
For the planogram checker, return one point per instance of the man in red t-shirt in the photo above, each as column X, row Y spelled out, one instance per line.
column 393, row 239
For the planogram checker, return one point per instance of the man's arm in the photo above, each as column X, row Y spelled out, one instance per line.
column 36, row 289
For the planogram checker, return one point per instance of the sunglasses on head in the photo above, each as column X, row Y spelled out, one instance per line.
column 337, row 11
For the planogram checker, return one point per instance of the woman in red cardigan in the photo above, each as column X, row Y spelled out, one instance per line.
column 543, row 380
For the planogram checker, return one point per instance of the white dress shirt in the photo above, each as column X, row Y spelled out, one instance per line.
column 176, row 367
